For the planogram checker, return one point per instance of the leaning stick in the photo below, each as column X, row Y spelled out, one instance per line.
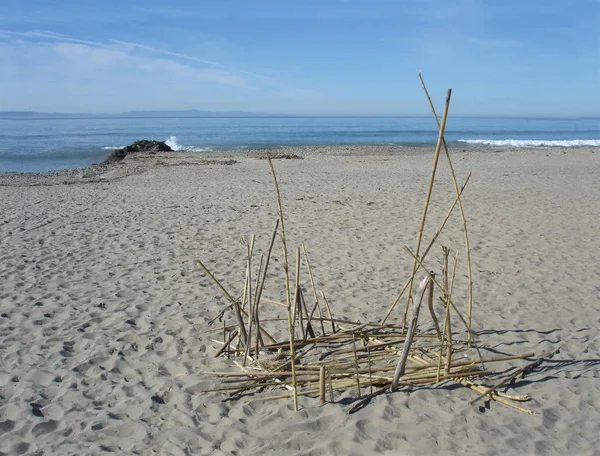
column 258, row 293
column 225, row 344
column 436, row 284
column 439, row 231
column 322, row 384
column 524, row 370
column 448, row 297
column 224, row 292
column 314, row 289
column 462, row 212
column 329, row 312
column 447, row 306
column 297, row 304
column 287, row 283
column 356, row 365
column 427, row 199
column 368, row 348
column 409, row 338
column 231, row 300
column 256, row 314
column 250, row 301
column 366, row 399
column 309, row 329
column 432, row 311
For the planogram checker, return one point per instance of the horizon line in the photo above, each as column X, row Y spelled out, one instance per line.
column 242, row 114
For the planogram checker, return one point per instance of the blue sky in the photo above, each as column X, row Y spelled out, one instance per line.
column 501, row 57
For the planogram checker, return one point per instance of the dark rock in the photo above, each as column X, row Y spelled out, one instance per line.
column 144, row 146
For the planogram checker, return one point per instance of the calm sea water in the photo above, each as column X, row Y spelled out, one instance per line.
column 44, row 144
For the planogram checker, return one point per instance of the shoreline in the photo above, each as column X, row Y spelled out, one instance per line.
column 139, row 163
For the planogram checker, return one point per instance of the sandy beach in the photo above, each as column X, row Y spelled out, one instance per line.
column 105, row 341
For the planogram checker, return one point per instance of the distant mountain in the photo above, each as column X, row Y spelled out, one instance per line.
column 133, row 114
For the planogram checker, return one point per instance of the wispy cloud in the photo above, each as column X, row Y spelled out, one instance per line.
column 43, row 70
column 77, row 52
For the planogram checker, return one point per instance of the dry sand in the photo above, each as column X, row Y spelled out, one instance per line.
column 104, row 341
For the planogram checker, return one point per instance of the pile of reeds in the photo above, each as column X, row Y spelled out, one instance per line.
column 323, row 355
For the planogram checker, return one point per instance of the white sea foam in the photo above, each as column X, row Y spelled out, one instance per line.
column 172, row 143
column 197, row 149
column 113, row 147
column 534, row 142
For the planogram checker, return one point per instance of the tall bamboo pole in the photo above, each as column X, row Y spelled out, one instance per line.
column 436, row 157
column 287, row 284
column 462, row 213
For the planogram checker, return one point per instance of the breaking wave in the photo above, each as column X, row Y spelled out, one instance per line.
column 533, row 142
column 172, row 143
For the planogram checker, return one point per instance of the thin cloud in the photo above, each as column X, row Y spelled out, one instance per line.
column 169, row 53
column 126, row 49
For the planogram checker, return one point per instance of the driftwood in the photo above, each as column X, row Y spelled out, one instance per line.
column 324, row 353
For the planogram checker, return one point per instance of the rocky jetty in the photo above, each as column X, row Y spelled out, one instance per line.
column 145, row 146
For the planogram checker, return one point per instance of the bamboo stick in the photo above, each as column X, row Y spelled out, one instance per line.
column 230, row 299
column 256, row 313
column 238, row 312
column 331, row 398
column 328, row 311
column 423, row 365
column 248, row 293
column 446, row 309
column 368, row 349
column 365, row 400
column 309, row 329
column 431, row 310
column 460, row 207
column 314, row 289
column 250, row 327
column 437, row 285
column 356, row 365
column 427, row 199
column 521, row 371
column 268, row 257
column 494, row 396
column 226, row 343
column 409, row 338
column 445, row 254
column 469, row 384
column 448, row 297
column 431, row 243
column 425, row 377
column 216, row 282
column 296, row 301
column 287, row 282
column 322, row 385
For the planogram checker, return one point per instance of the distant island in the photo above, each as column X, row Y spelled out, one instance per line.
column 133, row 114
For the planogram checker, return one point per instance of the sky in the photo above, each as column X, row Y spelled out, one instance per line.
column 305, row 57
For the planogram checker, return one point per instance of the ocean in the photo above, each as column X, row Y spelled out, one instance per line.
column 46, row 144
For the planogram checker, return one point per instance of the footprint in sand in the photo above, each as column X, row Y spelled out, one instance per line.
column 44, row 428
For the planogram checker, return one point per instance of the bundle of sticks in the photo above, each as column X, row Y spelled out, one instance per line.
column 323, row 355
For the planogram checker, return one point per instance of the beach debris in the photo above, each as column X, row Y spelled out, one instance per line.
column 318, row 354
column 280, row 156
